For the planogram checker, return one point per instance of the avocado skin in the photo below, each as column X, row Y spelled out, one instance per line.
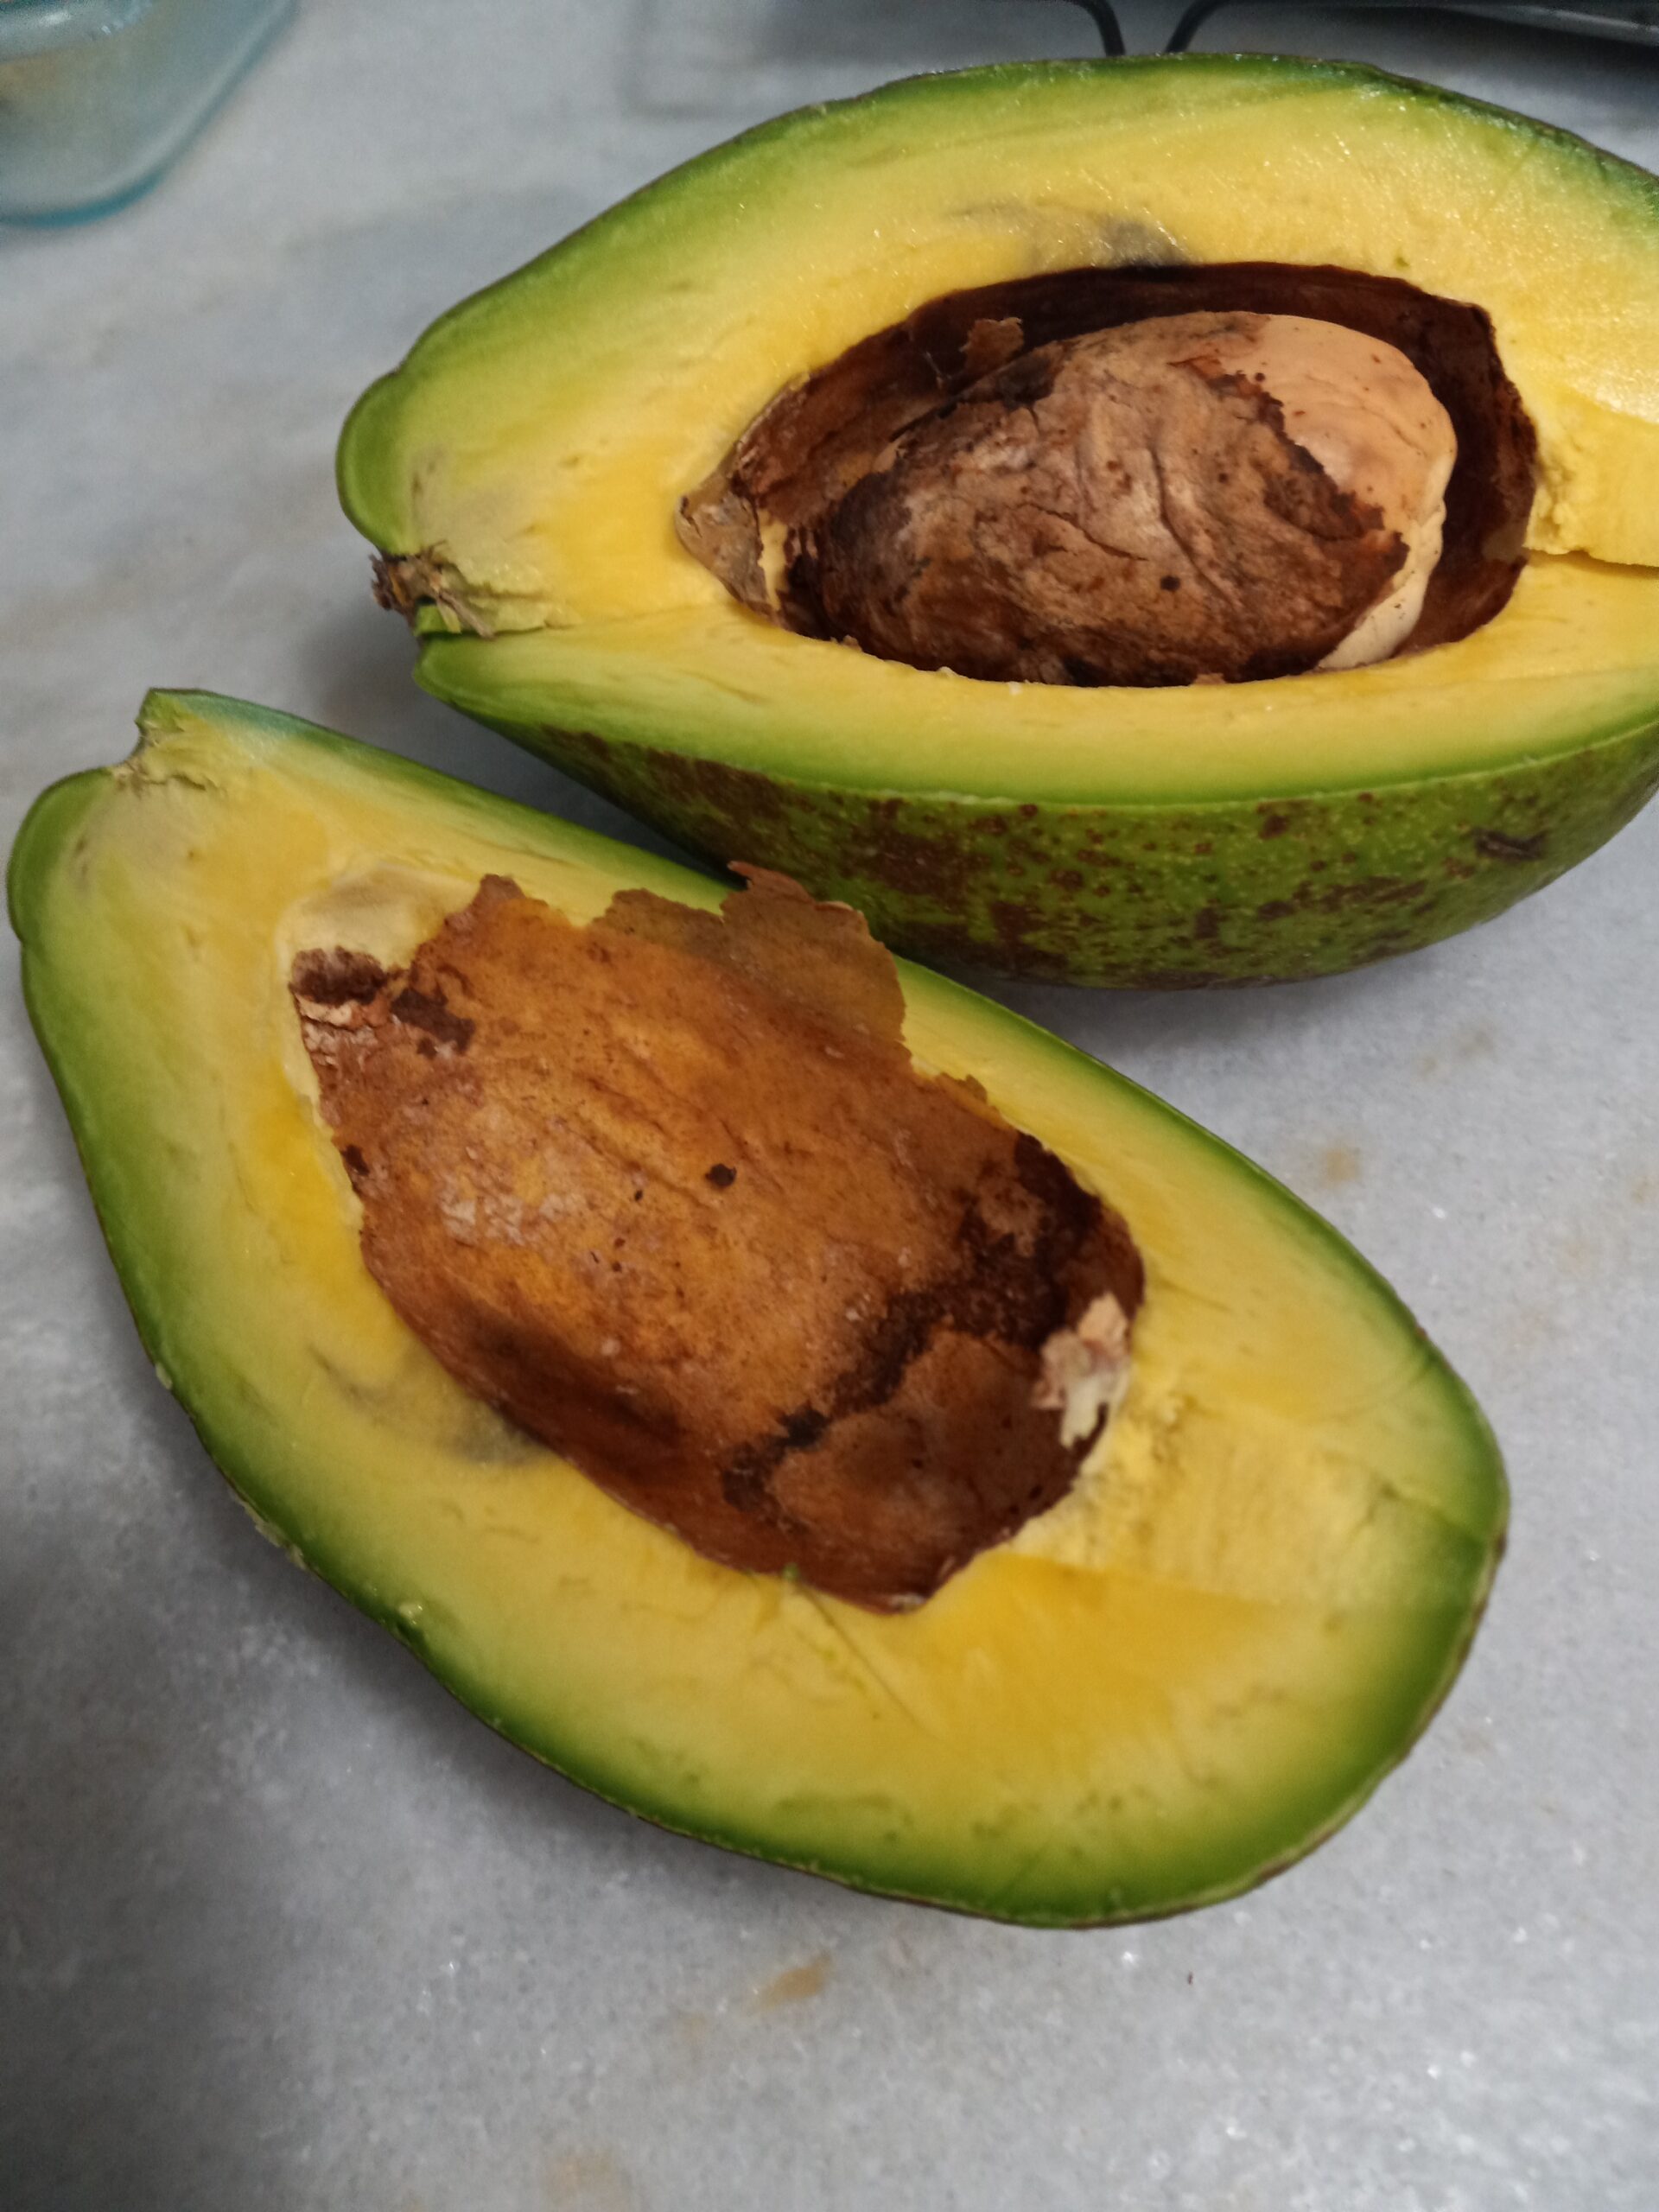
column 1141, row 898
column 224, row 744
column 1116, row 880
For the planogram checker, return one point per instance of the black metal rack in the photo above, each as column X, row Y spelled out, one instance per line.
column 1636, row 22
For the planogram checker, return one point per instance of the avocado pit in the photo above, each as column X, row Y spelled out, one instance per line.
column 669, row 1193
column 1137, row 477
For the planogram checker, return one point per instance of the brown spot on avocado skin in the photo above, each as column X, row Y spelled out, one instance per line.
column 1499, row 845
column 1014, row 921
column 704, row 789
column 917, row 867
column 1131, row 926
column 1338, row 897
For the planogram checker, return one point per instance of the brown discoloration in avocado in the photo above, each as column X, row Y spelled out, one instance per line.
column 441, row 1028
column 861, row 433
column 1013, row 920
column 910, row 864
column 1338, row 897
column 696, row 789
column 334, row 980
column 1499, row 845
column 1370, row 891
column 765, row 1283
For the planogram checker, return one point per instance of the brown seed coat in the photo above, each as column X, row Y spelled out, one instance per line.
column 667, row 1191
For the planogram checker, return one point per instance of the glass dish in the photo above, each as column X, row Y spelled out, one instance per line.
column 96, row 96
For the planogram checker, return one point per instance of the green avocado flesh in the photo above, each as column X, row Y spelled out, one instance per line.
column 1181, row 1677
column 524, row 467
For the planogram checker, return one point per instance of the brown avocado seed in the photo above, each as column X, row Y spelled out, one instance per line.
column 669, row 1193
column 1150, row 506
column 1051, row 481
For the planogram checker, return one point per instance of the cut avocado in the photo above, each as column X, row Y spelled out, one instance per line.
column 524, row 474
column 668, row 1190
column 1176, row 1681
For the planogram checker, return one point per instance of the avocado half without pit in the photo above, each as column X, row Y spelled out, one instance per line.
column 1175, row 521
column 796, row 1397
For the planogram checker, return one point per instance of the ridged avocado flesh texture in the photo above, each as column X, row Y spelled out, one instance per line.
column 529, row 455
column 1182, row 1677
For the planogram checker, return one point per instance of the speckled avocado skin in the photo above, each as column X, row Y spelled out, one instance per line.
column 1153, row 896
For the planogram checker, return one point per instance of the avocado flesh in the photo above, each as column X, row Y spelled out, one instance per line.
column 1183, row 1676
column 536, row 443
column 820, row 440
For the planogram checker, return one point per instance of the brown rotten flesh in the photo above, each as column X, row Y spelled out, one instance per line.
column 667, row 1191
column 1138, row 477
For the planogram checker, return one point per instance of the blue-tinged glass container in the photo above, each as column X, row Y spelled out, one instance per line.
column 98, row 96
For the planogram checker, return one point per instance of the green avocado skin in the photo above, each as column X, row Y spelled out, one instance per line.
column 77, row 979
column 1160, row 885
column 1142, row 898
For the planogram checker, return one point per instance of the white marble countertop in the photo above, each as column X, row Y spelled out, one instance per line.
column 282, row 1930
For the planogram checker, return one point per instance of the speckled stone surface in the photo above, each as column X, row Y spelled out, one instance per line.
column 282, row 1930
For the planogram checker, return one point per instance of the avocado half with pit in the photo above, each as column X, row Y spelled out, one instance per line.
column 718, row 505
column 1249, row 1594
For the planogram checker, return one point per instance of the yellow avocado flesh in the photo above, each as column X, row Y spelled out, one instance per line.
column 541, row 433
column 1194, row 1668
column 1572, row 658
column 538, row 439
